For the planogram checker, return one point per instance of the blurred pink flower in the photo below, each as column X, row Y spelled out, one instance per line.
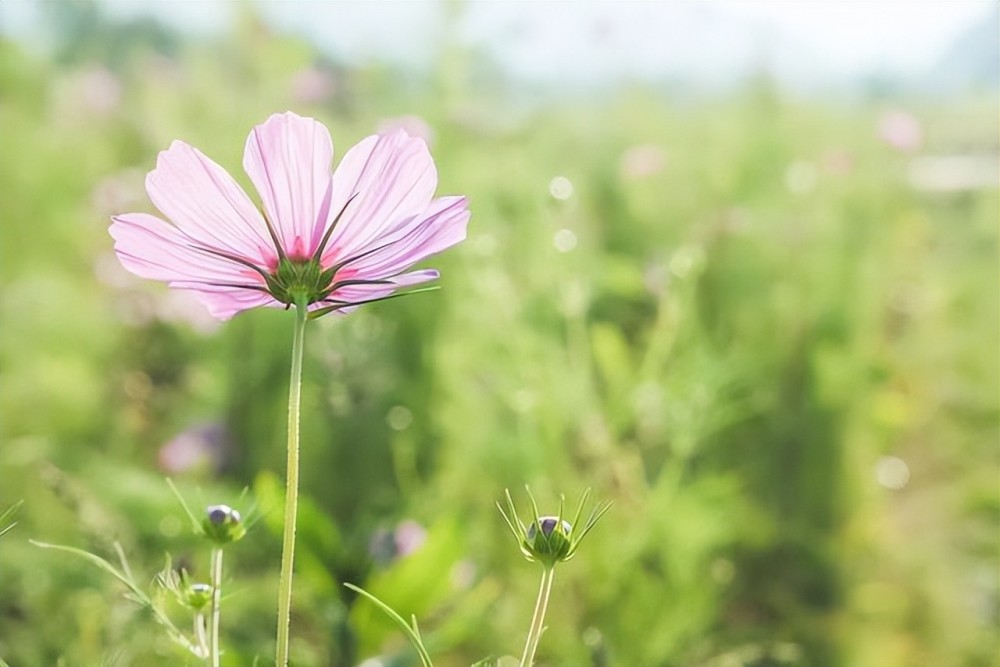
column 330, row 241
column 200, row 448
column 386, row 545
column 413, row 125
column 410, row 536
column 312, row 85
column 100, row 91
column 901, row 130
column 837, row 161
column 642, row 161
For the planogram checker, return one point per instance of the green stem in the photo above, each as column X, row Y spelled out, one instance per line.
column 535, row 633
column 201, row 636
column 213, row 636
column 291, row 489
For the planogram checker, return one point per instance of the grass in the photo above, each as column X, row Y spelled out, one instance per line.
column 738, row 313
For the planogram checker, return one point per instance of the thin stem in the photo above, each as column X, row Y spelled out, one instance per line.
column 213, row 636
column 535, row 633
column 201, row 636
column 291, row 488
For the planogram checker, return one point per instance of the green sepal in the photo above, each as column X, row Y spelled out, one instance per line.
column 197, row 596
column 550, row 539
column 320, row 312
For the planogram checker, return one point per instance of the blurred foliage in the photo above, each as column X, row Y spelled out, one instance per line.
column 732, row 317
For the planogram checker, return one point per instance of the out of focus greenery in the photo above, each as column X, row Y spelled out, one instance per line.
column 736, row 318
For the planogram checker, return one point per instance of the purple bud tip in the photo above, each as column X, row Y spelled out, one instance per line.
column 219, row 514
column 548, row 524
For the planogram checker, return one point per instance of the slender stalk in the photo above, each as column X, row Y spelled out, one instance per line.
column 201, row 636
column 291, row 489
column 537, row 619
column 213, row 637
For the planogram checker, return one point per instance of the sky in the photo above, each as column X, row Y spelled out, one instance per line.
column 543, row 41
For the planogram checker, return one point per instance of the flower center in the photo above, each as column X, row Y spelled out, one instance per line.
column 300, row 281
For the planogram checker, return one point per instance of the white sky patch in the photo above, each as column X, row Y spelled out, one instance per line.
column 857, row 36
column 711, row 42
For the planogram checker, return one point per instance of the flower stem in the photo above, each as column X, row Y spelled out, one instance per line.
column 291, row 488
column 535, row 633
column 201, row 636
column 213, row 637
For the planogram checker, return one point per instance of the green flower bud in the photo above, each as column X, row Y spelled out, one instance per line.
column 197, row 596
column 223, row 524
column 550, row 539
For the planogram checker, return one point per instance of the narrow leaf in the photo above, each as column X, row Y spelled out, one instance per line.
column 412, row 633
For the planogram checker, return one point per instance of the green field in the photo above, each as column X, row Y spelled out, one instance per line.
column 743, row 319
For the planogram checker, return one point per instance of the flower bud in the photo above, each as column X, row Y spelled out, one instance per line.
column 197, row 596
column 548, row 539
column 223, row 524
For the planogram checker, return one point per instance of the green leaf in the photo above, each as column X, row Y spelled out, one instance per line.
column 9, row 512
column 413, row 633
column 195, row 524
column 104, row 565
column 135, row 593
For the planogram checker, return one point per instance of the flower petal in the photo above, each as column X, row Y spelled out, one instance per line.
column 416, row 277
column 224, row 303
column 288, row 158
column 356, row 293
column 391, row 177
column 152, row 248
column 207, row 205
column 441, row 226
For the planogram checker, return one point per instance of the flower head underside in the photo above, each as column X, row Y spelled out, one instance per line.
column 328, row 241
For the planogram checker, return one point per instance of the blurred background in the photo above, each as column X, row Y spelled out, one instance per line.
column 733, row 265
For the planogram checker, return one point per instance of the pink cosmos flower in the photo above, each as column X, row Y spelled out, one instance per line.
column 901, row 130
column 324, row 240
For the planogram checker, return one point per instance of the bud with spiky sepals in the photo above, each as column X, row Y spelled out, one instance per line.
column 223, row 524
column 550, row 539
column 197, row 596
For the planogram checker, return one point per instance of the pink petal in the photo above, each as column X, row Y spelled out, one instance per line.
column 416, row 277
column 152, row 248
column 288, row 159
column 223, row 304
column 392, row 177
column 441, row 226
column 356, row 293
column 207, row 205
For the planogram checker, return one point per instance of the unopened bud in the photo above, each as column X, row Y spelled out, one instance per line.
column 223, row 524
column 548, row 539
column 197, row 596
